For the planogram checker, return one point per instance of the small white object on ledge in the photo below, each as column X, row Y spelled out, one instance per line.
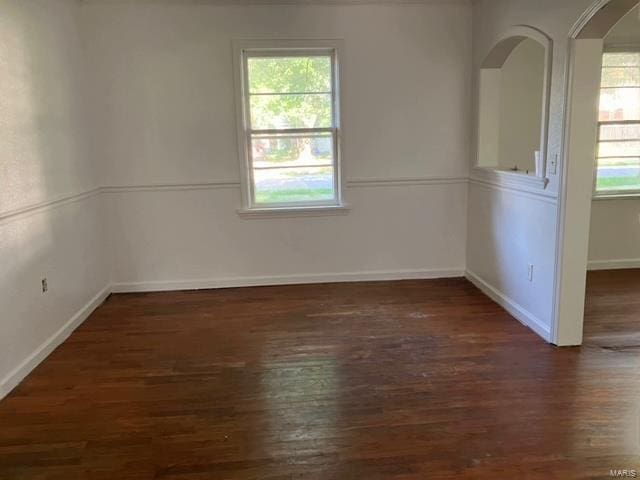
column 538, row 159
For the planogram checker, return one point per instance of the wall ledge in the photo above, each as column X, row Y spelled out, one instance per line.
column 510, row 179
column 536, row 194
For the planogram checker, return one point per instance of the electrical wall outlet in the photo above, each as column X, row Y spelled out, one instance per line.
column 45, row 285
column 530, row 272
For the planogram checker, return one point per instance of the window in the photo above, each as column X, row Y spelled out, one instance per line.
column 618, row 162
column 290, row 126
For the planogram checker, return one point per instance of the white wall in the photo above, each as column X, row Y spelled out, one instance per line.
column 499, row 214
column 163, row 83
column 522, row 89
column 614, row 238
column 489, row 105
column 49, row 225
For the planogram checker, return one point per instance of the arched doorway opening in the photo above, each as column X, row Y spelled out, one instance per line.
column 577, row 176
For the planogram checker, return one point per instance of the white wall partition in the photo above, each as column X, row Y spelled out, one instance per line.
column 494, row 264
column 512, row 226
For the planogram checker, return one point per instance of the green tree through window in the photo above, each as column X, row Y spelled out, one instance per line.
column 291, row 123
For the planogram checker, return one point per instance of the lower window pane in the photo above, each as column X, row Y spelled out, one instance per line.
column 618, row 174
column 623, row 149
column 617, row 104
column 293, row 184
column 287, row 150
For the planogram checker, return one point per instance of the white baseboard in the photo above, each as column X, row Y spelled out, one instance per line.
column 516, row 310
column 618, row 264
column 206, row 283
column 9, row 382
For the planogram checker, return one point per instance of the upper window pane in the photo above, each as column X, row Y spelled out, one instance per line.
column 624, row 59
column 311, row 74
column 278, row 111
column 621, row 77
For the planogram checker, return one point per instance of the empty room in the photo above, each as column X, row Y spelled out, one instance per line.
column 324, row 239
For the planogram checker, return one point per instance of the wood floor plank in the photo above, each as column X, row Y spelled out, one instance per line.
column 393, row 380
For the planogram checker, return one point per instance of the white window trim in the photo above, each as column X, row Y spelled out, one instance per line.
column 286, row 47
column 622, row 194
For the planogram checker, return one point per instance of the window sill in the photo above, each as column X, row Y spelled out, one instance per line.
column 617, row 196
column 289, row 212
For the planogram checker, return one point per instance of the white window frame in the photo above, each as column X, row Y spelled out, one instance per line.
column 242, row 51
column 612, row 194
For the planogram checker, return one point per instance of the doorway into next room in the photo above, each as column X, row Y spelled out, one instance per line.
column 612, row 306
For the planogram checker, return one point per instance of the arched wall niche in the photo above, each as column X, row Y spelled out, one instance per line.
column 513, row 106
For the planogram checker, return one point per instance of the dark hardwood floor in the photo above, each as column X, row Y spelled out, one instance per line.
column 402, row 380
column 612, row 309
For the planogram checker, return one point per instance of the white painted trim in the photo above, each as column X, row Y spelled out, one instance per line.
column 570, row 261
column 520, row 313
column 504, row 45
column 618, row 264
column 171, row 187
column 542, row 196
column 621, row 47
column 352, row 183
column 214, row 185
column 232, row 282
column 586, row 17
column 406, row 181
column 288, row 212
column 516, row 180
column 14, row 377
column 46, row 205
